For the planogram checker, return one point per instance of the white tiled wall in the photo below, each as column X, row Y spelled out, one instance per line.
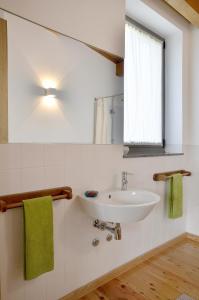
column 31, row 167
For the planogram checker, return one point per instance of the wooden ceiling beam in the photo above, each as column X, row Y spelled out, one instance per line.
column 194, row 4
column 189, row 9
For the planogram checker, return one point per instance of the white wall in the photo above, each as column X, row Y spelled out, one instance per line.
column 36, row 55
column 193, row 140
column 192, row 219
column 29, row 167
column 193, row 100
column 95, row 22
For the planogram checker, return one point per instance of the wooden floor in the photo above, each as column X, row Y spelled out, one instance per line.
column 166, row 276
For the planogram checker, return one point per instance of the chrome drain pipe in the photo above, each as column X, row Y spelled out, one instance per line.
column 114, row 228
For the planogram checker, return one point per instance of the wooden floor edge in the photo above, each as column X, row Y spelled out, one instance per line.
column 88, row 288
column 192, row 237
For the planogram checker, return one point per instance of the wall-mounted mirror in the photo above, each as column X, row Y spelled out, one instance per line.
column 60, row 90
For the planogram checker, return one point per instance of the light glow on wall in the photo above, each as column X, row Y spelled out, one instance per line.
column 49, row 83
column 49, row 102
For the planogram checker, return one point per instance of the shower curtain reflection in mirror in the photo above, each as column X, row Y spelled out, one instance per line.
column 109, row 120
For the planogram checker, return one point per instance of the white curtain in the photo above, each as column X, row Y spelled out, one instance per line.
column 142, row 87
column 103, row 121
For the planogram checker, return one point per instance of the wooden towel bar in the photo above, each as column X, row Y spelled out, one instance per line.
column 164, row 176
column 15, row 200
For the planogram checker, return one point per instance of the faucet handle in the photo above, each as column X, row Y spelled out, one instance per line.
column 130, row 173
column 127, row 173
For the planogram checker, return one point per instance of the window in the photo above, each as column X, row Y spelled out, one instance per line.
column 143, row 89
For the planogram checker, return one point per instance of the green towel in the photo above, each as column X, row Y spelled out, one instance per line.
column 175, row 196
column 38, row 225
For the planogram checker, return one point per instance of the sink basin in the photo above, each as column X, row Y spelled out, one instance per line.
column 120, row 206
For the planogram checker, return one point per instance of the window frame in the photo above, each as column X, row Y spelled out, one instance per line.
column 136, row 150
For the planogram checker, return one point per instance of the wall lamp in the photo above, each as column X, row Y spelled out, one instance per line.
column 51, row 92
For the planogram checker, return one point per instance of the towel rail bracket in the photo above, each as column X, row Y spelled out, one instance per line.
column 3, row 206
column 15, row 200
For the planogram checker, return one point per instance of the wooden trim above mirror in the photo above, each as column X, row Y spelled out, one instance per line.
column 117, row 60
column 3, row 82
column 189, row 9
column 108, row 55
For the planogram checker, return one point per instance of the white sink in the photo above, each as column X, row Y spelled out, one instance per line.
column 120, row 206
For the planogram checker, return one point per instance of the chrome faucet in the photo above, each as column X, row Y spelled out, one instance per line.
column 124, row 181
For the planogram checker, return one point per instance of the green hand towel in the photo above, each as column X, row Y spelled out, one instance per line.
column 175, row 196
column 38, row 225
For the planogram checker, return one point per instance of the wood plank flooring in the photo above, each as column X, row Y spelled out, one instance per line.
column 166, row 276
